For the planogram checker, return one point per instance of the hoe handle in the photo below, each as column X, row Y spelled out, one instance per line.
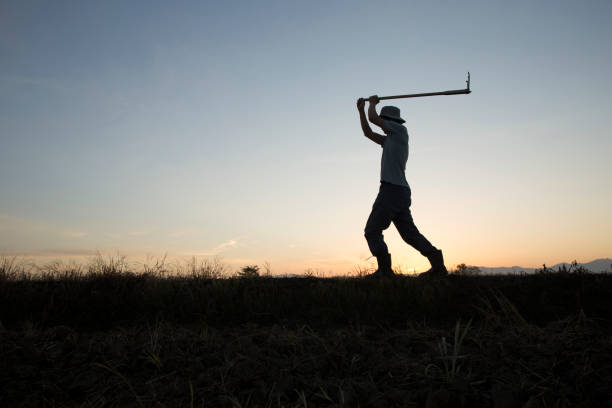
column 454, row 92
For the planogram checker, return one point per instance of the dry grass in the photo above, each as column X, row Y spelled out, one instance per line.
column 102, row 335
column 563, row 364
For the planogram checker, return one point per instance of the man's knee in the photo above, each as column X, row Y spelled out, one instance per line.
column 372, row 232
column 376, row 242
column 374, row 239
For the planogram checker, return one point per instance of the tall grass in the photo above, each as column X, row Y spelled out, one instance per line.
column 111, row 333
column 18, row 268
column 107, row 292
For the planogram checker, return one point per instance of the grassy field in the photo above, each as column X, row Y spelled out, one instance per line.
column 104, row 336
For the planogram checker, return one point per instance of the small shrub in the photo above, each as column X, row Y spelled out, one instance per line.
column 249, row 271
column 467, row 270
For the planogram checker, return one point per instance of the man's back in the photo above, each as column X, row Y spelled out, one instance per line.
column 395, row 154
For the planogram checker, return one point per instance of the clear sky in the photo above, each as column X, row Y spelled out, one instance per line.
column 230, row 129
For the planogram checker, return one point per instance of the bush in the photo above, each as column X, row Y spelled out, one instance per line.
column 249, row 271
column 467, row 270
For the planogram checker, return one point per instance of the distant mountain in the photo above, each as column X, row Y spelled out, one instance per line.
column 598, row 265
column 505, row 270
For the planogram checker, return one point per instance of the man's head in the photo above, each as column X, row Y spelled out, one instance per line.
column 391, row 113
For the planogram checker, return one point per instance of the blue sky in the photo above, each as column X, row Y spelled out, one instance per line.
column 230, row 129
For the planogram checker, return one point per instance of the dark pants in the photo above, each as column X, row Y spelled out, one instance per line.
column 393, row 205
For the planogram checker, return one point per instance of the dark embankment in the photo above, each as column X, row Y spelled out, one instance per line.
column 140, row 340
column 109, row 300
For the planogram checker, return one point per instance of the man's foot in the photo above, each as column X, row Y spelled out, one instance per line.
column 434, row 273
column 384, row 267
column 380, row 274
column 437, row 265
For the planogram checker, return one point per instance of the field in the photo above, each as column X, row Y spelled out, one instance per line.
column 108, row 337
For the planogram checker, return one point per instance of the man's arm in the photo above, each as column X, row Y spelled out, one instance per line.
column 373, row 116
column 365, row 126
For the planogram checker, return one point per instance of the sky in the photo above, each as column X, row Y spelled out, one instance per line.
column 229, row 129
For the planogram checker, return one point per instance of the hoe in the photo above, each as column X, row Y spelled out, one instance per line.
column 454, row 92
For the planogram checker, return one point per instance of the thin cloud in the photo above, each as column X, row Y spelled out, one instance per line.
column 224, row 246
column 229, row 244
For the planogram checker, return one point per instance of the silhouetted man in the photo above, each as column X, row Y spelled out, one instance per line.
column 393, row 201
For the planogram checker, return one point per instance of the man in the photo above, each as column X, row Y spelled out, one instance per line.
column 393, row 201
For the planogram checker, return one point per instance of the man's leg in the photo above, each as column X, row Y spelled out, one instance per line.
column 412, row 236
column 378, row 221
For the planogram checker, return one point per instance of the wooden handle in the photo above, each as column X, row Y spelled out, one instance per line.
column 454, row 92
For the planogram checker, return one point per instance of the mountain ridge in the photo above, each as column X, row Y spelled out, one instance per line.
column 597, row 265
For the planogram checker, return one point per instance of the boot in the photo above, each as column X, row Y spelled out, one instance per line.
column 437, row 265
column 384, row 267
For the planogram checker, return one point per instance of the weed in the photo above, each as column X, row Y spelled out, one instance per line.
column 451, row 356
column 123, row 379
column 203, row 268
column 12, row 268
column 155, row 267
column 111, row 265
column 498, row 310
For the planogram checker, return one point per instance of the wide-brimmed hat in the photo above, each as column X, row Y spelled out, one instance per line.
column 391, row 112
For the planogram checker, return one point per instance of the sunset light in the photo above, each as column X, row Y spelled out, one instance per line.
column 170, row 134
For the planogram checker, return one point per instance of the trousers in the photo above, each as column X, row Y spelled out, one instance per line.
column 393, row 205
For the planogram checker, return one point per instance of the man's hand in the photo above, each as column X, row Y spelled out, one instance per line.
column 372, row 115
column 361, row 104
column 365, row 126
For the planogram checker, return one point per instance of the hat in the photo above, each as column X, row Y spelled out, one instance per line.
column 391, row 112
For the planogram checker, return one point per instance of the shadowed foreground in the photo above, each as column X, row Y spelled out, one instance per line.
column 115, row 339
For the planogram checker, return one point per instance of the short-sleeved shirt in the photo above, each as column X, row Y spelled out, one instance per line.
column 395, row 154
